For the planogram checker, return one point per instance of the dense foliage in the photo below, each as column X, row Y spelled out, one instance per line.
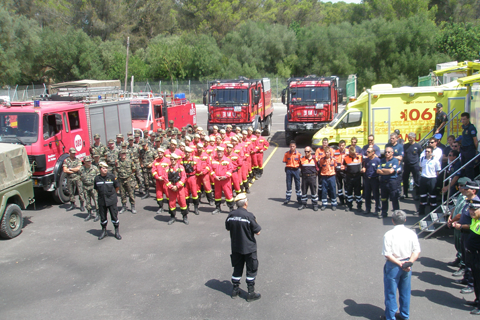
column 380, row 40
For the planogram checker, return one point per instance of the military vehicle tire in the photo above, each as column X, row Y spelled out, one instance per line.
column 12, row 222
column 61, row 195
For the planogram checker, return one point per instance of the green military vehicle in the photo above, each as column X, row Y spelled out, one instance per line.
column 16, row 188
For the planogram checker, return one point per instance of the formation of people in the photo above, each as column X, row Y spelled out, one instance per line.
column 181, row 165
column 351, row 174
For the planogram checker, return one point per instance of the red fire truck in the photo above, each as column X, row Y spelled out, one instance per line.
column 153, row 111
column 48, row 129
column 241, row 103
column 312, row 102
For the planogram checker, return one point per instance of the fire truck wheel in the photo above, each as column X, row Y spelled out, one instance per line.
column 12, row 222
column 61, row 195
column 267, row 130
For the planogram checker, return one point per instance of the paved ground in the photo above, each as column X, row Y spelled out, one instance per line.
column 323, row 265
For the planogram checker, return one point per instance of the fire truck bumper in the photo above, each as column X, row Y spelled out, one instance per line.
column 243, row 126
column 304, row 127
column 46, row 182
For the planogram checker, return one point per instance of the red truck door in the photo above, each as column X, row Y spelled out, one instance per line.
column 52, row 136
column 159, row 119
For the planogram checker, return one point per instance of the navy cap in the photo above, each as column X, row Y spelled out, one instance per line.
column 472, row 185
column 474, row 203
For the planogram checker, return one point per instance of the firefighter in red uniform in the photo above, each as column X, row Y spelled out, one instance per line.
column 203, row 172
column 262, row 146
column 238, row 149
column 237, row 165
column 248, row 161
column 222, row 173
column 189, row 163
column 353, row 181
column 173, row 149
column 175, row 181
column 158, row 171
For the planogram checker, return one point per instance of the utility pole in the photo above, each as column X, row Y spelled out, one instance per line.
column 126, row 65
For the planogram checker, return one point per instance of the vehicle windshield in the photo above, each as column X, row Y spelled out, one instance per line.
column 228, row 96
column 19, row 128
column 337, row 118
column 139, row 111
column 309, row 94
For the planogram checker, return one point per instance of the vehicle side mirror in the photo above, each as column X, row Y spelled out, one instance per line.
column 340, row 95
column 283, row 95
column 205, row 93
column 257, row 96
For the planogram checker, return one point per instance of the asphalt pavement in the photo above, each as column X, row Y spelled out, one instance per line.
column 312, row 265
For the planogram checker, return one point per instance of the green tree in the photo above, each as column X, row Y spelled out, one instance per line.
column 461, row 41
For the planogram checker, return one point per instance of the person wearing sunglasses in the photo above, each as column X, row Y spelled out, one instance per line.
column 452, row 168
column 437, row 152
column 371, row 143
column 371, row 183
column 309, row 173
column 388, row 171
column 430, row 168
column 411, row 165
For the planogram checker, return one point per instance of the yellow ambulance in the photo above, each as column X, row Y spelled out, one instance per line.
column 383, row 109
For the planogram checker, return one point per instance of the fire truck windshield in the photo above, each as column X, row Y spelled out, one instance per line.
column 139, row 111
column 228, row 96
column 19, row 127
column 309, row 94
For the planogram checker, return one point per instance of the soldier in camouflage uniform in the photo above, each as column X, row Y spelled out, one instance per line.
column 137, row 182
column 98, row 147
column 71, row 166
column 124, row 146
column 125, row 171
column 136, row 140
column 118, row 144
column 152, row 140
column 96, row 160
column 88, row 173
column 112, row 156
column 171, row 130
column 147, row 156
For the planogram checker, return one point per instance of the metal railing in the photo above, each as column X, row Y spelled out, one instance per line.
column 423, row 142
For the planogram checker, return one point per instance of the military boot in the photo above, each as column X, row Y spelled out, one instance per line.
column 72, row 206
column 82, row 207
column 104, row 232
column 133, row 209
column 160, row 206
column 195, row 206
column 184, row 214
column 97, row 216
column 172, row 216
column 252, row 296
column 124, row 208
column 146, row 195
column 89, row 216
column 117, row 232
column 217, row 208
column 236, row 289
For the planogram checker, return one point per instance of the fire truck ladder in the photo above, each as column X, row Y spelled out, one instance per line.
column 90, row 93
column 427, row 137
column 437, row 218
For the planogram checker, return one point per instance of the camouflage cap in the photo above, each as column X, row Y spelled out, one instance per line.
column 96, row 154
column 145, row 131
column 72, row 150
column 137, row 135
column 123, row 151
column 158, row 139
column 88, row 159
column 124, row 144
column 96, row 136
column 131, row 138
column 171, row 121
column 119, row 135
column 142, row 142
column 111, row 141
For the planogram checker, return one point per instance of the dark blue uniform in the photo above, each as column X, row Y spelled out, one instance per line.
column 439, row 119
column 411, row 161
column 371, row 184
column 398, row 151
column 376, row 149
column 389, row 185
column 468, row 150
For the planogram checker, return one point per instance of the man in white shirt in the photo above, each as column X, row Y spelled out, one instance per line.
column 430, row 168
column 401, row 249
column 437, row 153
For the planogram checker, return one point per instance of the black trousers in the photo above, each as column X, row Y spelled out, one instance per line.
column 353, row 184
column 102, row 210
column 389, row 190
column 239, row 261
column 309, row 183
column 428, row 194
column 372, row 185
column 469, row 261
column 415, row 171
column 475, row 258
column 340, row 183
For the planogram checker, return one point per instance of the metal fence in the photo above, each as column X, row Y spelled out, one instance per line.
column 193, row 89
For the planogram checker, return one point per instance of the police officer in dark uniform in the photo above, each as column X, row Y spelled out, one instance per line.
column 473, row 249
column 397, row 154
column 370, row 180
column 441, row 120
column 388, row 182
column 412, row 152
column 107, row 187
column 469, row 144
column 243, row 227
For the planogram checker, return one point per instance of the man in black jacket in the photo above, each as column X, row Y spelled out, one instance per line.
column 107, row 187
column 411, row 160
column 243, row 227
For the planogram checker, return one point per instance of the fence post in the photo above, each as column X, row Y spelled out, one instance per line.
column 189, row 91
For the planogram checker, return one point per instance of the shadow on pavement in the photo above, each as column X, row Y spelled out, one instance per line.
column 432, row 263
column 97, row 232
column 162, row 218
column 152, row 208
column 224, row 286
column 363, row 310
column 436, row 279
column 442, row 298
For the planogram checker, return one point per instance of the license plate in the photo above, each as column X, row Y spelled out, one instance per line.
column 237, row 109
column 309, row 126
column 319, row 106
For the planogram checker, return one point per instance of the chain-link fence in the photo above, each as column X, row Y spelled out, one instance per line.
column 193, row 89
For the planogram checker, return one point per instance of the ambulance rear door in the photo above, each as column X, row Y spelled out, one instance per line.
column 381, row 126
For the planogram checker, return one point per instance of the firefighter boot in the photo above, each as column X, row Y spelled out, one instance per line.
column 97, row 216
column 260, row 172
column 195, row 206
column 252, row 296
column 82, row 207
column 211, row 202
column 146, row 195
column 72, row 206
column 89, row 216
column 117, row 233
column 230, row 205
column 133, row 209
column 246, row 186
column 160, row 206
column 236, row 289
column 184, row 214
column 217, row 208
column 124, row 208
column 188, row 201
column 172, row 216
column 104, row 232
